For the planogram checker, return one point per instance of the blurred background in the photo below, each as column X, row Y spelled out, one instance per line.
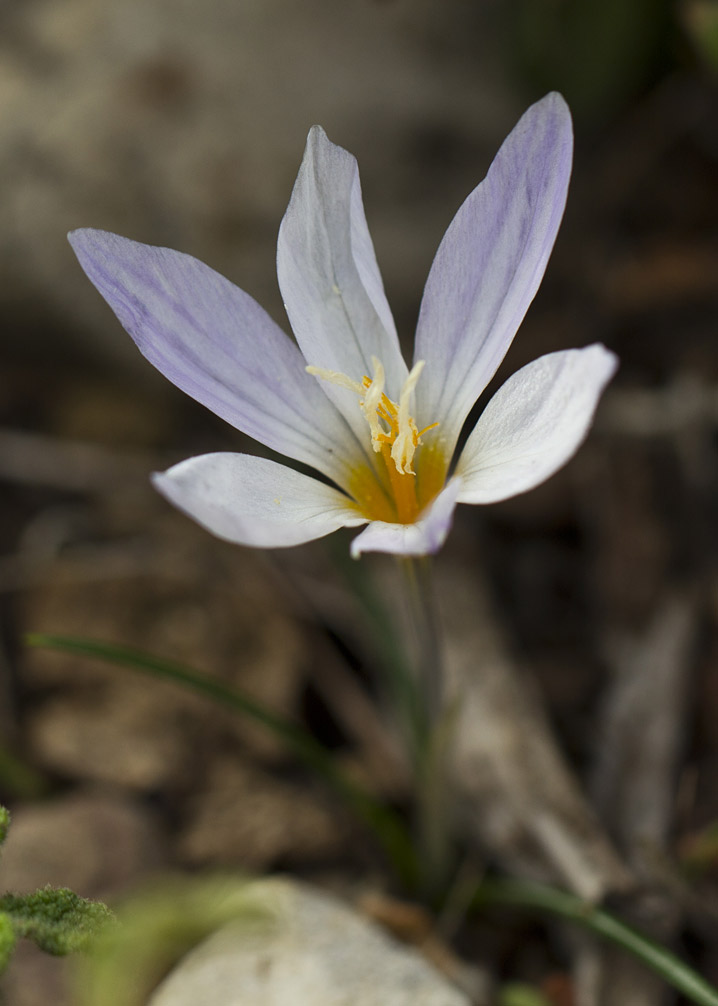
column 182, row 124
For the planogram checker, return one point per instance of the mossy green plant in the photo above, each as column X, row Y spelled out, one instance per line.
column 55, row 918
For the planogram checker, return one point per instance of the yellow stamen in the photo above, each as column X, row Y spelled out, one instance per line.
column 335, row 377
column 371, row 403
column 407, row 435
column 394, row 435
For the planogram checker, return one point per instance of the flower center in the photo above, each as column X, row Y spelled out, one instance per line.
column 394, row 435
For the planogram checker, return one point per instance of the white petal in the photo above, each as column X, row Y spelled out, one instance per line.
column 489, row 266
column 534, row 423
column 329, row 277
column 424, row 537
column 254, row 501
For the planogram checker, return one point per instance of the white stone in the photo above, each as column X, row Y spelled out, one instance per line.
column 314, row 951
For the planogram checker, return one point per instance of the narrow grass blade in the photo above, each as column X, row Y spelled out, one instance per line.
column 523, row 894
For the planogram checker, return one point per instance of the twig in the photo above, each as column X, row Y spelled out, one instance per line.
column 519, row 797
column 634, row 785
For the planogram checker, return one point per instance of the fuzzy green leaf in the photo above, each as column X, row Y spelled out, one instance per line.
column 4, row 823
column 7, row 940
column 57, row 919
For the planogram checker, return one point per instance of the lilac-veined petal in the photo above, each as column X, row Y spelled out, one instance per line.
column 253, row 501
column 534, row 423
column 489, row 265
column 329, row 278
column 219, row 346
column 424, row 537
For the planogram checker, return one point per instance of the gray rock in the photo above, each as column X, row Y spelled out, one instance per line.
column 315, row 952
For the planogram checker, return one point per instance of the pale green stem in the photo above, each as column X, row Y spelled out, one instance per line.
column 432, row 804
column 422, row 612
column 397, row 676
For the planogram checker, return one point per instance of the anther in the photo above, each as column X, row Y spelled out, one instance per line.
column 389, row 423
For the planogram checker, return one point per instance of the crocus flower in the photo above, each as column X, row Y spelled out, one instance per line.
column 341, row 399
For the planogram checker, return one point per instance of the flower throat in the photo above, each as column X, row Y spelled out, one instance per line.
column 394, row 435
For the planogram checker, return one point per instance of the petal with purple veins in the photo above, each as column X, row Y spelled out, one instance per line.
column 489, row 265
column 219, row 346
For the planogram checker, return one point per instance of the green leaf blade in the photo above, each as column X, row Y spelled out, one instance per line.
column 385, row 824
